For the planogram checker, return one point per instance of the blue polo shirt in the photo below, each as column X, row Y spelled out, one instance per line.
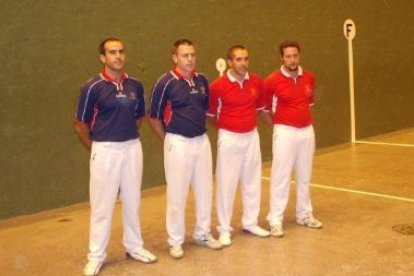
column 111, row 109
column 181, row 103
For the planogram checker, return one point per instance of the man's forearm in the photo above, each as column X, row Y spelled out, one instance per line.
column 83, row 132
column 138, row 123
column 266, row 117
column 212, row 121
column 158, row 127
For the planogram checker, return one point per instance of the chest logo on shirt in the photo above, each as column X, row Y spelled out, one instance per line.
column 202, row 90
column 253, row 92
column 132, row 96
column 193, row 91
column 309, row 90
column 120, row 95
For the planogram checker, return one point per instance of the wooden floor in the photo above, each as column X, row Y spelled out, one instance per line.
column 359, row 192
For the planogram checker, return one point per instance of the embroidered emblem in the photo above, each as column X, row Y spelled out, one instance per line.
column 132, row 96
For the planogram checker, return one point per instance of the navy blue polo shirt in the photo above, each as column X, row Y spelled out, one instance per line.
column 111, row 109
column 181, row 103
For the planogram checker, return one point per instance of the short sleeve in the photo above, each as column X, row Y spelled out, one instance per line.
column 86, row 103
column 268, row 93
column 261, row 99
column 158, row 99
column 213, row 99
column 140, row 108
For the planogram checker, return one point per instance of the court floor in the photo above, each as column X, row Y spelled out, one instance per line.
column 359, row 192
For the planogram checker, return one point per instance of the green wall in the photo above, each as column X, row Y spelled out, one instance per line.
column 48, row 49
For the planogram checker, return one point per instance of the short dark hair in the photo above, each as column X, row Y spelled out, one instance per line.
column 178, row 43
column 102, row 49
column 287, row 44
column 233, row 48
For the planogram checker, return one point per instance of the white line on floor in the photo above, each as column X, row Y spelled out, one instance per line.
column 385, row 144
column 327, row 187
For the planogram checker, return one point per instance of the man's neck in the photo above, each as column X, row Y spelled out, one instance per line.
column 185, row 74
column 238, row 77
column 116, row 76
column 291, row 73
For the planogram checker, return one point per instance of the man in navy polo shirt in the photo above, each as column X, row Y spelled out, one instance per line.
column 177, row 114
column 108, row 116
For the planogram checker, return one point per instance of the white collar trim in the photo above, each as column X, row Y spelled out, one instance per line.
column 233, row 79
column 286, row 73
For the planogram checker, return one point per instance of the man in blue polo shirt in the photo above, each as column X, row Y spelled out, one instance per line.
column 108, row 116
column 177, row 114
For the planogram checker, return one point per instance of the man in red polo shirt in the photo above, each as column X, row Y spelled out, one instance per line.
column 235, row 100
column 290, row 94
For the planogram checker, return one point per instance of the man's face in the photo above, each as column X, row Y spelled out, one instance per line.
column 291, row 59
column 114, row 57
column 185, row 58
column 239, row 62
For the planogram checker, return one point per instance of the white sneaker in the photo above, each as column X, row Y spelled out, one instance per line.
column 176, row 252
column 257, row 231
column 208, row 241
column 92, row 268
column 225, row 238
column 142, row 255
column 276, row 230
column 310, row 222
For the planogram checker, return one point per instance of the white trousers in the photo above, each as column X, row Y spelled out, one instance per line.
column 238, row 158
column 115, row 167
column 187, row 161
column 293, row 149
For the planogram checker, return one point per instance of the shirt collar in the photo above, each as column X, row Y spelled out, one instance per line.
column 233, row 79
column 108, row 78
column 178, row 75
column 286, row 73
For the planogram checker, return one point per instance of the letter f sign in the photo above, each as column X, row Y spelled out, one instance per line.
column 349, row 29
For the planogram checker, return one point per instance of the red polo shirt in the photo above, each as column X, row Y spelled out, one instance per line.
column 291, row 97
column 236, row 104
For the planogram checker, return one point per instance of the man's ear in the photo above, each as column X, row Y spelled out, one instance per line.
column 102, row 58
column 228, row 62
